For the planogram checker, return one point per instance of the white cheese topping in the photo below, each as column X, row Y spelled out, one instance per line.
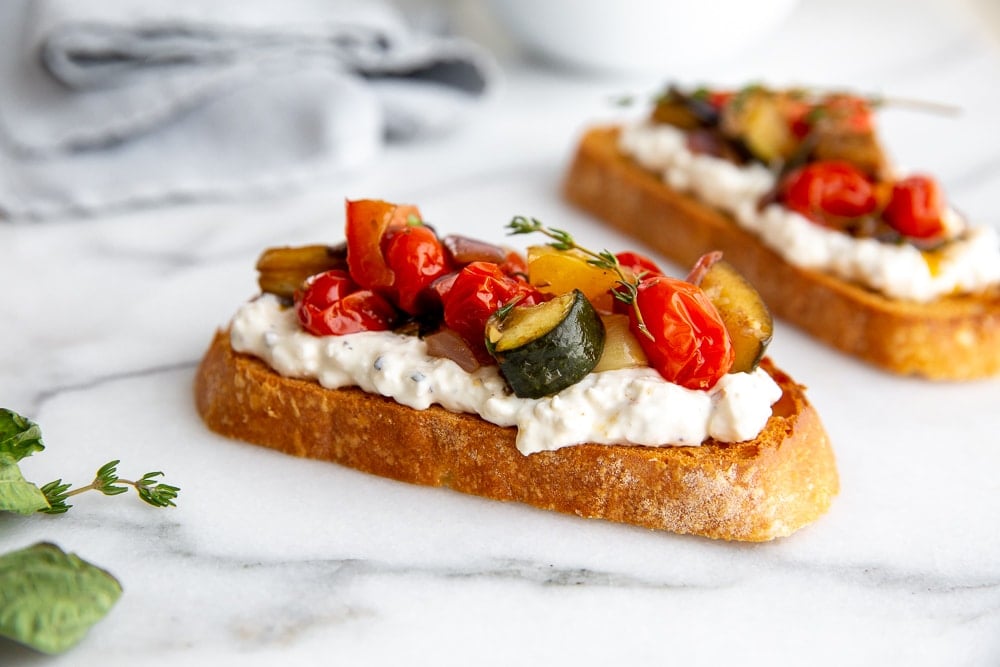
column 634, row 406
column 971, row 263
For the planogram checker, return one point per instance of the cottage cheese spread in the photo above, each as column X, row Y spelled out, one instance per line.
column 633, row 406
column 971, row 263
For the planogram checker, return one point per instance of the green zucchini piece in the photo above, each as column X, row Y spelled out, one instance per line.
column 743, row 311
column 545, row 348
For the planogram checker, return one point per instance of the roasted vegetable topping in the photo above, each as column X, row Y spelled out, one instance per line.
column 330, row 303
column 824, row 148
column 368, row 223
column 776, row 127
column 281, row 271
column 545, row 348
column 478, row 291
column 546, row 323
column 744, row 313
column 556, row 272
column 824, row 191
column 621, row 347
column 690, row 345
column 684, row 337
column 916, row 207
column 417, row 258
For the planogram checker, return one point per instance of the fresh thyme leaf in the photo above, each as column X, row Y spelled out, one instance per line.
column 49, row 599
column 55, row 493
column 504, row 310
column 106, row 478
column 107, row 481
column 19, row 436
column 562, row 240
column 156, row 494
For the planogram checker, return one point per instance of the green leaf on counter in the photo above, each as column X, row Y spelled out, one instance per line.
column 49, row 599
column 19, row 436
column 17, row 494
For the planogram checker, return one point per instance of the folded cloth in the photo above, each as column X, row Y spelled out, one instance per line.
column 108, row 104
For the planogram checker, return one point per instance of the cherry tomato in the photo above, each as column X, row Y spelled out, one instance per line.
column 849, row 112
column 478, row 290
column 443, row 285
column 800, row 115
column 829, row 188
column 368, row 222
column 514, row 264
column 916, row 207
column 333, row 304
column 840, row 113
column 720, row 98
column 690, row 344
column 417, row 258
column 638, row 264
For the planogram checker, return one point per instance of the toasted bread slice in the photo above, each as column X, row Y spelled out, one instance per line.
column 952, row 338
column 752, row 491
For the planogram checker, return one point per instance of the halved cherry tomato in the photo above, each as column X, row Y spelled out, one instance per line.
column 916, row 207
column 478, row 290
column 333, row 304
column 417, row 258
column 368, row 222
column 828, row 188
column 690, row 344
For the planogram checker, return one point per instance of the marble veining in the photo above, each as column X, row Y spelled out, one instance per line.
column 274, row 560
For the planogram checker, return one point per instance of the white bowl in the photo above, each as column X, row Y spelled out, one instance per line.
column 638, row 35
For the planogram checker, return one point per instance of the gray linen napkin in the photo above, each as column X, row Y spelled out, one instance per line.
column 108, row 104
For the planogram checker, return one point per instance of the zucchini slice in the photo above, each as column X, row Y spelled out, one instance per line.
column 743, row 311
column 545, row 348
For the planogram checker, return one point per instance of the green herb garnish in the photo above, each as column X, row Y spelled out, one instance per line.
column 628, row 287
column 20, row 437
column 48, row 598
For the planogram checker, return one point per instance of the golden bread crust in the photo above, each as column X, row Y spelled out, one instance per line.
column 952, row 338
column 752, row 491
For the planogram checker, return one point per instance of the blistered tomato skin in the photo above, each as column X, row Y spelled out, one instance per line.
column 830, row 188
column 514, row 264
column 690, row 345
column 916, row 207
column 417, row 258
column 332, row 304
column 368, row 221
column 478, row 290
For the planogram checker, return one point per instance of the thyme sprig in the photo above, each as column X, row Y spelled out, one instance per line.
column 627, row 287
column 107, row 481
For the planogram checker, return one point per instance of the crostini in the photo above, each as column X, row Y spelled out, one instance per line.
column 794, row 187
column 584, row 382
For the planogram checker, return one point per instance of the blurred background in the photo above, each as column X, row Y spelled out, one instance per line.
column 118, row 105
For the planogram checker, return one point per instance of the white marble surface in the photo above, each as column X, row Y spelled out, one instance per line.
column 271, row 560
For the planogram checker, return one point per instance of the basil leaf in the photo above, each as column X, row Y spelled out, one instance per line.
column 16, row 494
column 19, row 436
column 49, row 598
